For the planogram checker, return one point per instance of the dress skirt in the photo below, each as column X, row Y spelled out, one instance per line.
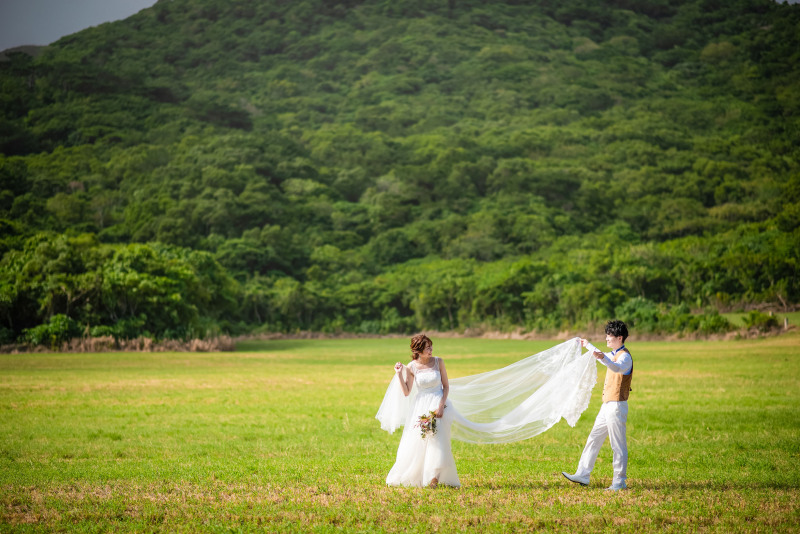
column 420, row 460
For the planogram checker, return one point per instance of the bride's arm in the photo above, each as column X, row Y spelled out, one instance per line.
column 445, row 388
column 406, row 379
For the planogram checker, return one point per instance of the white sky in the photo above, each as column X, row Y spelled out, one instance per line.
column 41, row 22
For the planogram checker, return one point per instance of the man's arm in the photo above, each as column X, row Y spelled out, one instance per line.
column 591, row 348
column 623, row 364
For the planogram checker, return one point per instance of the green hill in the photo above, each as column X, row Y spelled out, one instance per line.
column 217, row 166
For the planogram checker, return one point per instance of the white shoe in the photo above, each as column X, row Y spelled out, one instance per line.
column 583, row 481
column 617, row 487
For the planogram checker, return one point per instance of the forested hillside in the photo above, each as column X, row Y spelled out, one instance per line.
column 211, row 166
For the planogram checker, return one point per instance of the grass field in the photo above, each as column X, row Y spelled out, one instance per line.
column 737, row 318
column 281, row 436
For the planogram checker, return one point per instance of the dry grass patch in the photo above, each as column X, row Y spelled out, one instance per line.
column 192, row 506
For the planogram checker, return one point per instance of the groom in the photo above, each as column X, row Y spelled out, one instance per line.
column 614, row 412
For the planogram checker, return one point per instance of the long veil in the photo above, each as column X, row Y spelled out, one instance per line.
column 512, row 403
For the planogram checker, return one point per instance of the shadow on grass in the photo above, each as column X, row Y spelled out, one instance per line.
column 664, row 486
column 699, row 485
column 260, row 345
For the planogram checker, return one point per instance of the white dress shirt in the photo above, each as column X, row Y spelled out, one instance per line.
column 624, row 362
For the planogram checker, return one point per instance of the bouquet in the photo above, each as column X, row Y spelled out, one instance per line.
column 427, row 424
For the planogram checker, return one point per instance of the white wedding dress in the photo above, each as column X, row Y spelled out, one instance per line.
column 420, row 460
column 509, row 404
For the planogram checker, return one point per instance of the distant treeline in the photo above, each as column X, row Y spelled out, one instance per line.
column 126, row 291
column 206, row 168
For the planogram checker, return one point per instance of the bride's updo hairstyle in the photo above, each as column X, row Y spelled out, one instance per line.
column 419, row 343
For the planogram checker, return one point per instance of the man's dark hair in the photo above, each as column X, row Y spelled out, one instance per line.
column 617, row 328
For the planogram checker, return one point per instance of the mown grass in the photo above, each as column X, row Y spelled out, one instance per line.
column 281, row 436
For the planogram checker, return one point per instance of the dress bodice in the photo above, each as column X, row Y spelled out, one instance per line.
column 429, row 378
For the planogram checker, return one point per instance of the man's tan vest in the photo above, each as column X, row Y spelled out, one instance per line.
column 617, row 386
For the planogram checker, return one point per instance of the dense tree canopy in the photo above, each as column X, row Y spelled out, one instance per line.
column 222, row 166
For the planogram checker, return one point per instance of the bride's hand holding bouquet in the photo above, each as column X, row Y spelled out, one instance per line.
column 427, row 424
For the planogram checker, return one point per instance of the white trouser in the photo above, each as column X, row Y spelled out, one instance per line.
column 610, row 422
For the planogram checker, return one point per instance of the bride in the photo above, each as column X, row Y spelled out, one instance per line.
column 425, row 461
column 509, row 404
